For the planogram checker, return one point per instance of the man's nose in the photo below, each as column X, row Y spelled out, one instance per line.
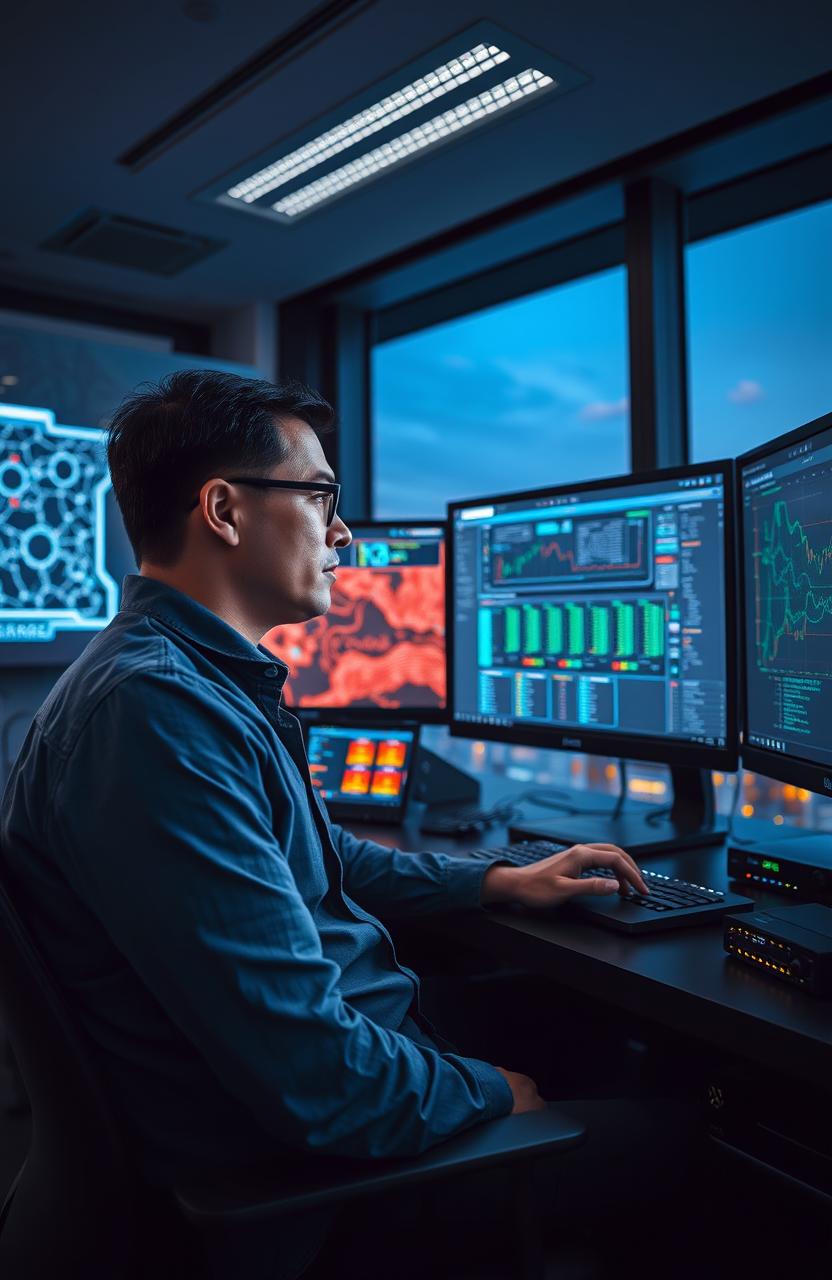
column 339, row 533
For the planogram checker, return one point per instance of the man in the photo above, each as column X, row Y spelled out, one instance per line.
column 218, row 936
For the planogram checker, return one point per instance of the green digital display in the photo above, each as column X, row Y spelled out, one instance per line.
column 768, row 865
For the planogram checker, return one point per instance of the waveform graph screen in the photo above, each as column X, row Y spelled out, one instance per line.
column 381, row 645
column 555, row 554
column 787, row 550
column 356, row 769
column 792, row 577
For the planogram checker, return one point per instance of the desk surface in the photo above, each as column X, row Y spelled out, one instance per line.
column 682, row 979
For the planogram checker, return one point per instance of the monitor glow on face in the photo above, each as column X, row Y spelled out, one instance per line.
column 381, row 646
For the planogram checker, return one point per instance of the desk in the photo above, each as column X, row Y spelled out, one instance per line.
column 681, row 979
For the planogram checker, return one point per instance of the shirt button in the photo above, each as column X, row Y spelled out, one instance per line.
column 271, row 672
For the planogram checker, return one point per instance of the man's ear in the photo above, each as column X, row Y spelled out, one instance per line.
column 218, row 508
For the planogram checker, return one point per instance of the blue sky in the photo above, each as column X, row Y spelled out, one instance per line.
column 760, row 331
column 534, row 392
column 527, row 393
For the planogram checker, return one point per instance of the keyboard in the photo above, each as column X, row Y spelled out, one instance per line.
column 672, row 903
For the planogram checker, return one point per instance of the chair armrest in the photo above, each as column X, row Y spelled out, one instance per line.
column 313, row 1183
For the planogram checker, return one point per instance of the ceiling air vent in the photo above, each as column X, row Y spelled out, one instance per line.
column 128, row 242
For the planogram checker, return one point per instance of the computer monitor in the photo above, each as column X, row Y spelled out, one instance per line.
column 600, row 618
column 63, row 548
column 785, row 522
column 363, row 772
column 379, row 652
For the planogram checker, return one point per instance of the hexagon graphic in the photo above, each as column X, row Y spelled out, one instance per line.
column 53, row 486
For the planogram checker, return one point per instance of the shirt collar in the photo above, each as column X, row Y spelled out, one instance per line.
column 201, row 625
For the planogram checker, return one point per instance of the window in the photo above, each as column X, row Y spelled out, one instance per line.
column 759, row 331
column 759, row 342
column 528, row 393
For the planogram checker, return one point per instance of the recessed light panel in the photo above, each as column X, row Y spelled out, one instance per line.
column 482, row 73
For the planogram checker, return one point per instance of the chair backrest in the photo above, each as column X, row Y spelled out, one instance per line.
column 73, row 1210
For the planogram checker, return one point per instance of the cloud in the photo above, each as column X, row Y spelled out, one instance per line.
column 600, row 410
column 556, row 382
column 746, row 392
column 418, row 433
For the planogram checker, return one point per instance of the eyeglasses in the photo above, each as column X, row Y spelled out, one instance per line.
column 330, row 488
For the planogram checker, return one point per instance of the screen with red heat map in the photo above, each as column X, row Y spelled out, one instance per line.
column 381, row 646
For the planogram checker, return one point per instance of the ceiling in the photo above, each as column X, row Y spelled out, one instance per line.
column 90, row 81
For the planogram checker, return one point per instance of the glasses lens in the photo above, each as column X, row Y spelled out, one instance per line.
column 331, row 509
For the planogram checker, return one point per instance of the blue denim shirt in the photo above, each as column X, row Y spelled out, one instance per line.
column 216, row 933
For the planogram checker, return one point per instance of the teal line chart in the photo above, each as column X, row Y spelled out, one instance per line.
column 792, row 587
column 557, row 552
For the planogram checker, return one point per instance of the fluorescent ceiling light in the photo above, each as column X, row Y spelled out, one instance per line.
column 441, row 96
column 424, row 135
column 427, row 88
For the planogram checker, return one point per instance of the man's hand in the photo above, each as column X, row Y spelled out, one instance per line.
column 557, row 879
column 524, row 1092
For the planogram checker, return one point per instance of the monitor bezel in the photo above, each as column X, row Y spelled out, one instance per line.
column 658, row 750
column 386, row 715
column 772, row 764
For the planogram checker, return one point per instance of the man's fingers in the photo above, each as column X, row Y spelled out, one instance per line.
column 613, row 848
column 619, row 862
column 624, row 853
column 595, row 885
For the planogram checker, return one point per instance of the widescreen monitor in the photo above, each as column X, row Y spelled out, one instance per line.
column 63, row 548
column 598, row 617
column 785, row 502
column 379, row 652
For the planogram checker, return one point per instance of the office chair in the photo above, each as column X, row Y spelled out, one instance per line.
column 78, row 1209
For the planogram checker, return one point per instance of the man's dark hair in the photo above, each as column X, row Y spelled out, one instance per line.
column 165, row 441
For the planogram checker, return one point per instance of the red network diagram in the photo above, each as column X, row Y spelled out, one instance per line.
column 381, row 644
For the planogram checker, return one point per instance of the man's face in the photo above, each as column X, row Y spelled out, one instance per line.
column 286, row 555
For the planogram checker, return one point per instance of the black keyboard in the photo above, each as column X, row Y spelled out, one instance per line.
column 672, row 903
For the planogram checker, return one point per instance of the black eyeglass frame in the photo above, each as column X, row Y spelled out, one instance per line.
column 310, row 486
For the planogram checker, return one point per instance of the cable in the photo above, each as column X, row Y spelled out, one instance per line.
column 563, row 801
column 466, row 821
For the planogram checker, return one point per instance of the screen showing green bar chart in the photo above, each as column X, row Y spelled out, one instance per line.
column 602, row 609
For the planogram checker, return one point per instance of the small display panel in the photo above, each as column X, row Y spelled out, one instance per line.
column 366, row 769
column 786, row 495
column 381, row 646
column 600, row 610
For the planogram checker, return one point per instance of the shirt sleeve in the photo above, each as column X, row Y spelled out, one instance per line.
column 165, row 829
column 393, row 884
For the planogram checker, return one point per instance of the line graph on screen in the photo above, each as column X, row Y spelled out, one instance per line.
column 792, row 559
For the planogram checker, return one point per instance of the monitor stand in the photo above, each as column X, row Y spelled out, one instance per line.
column 442, row 786
column 691, row 821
